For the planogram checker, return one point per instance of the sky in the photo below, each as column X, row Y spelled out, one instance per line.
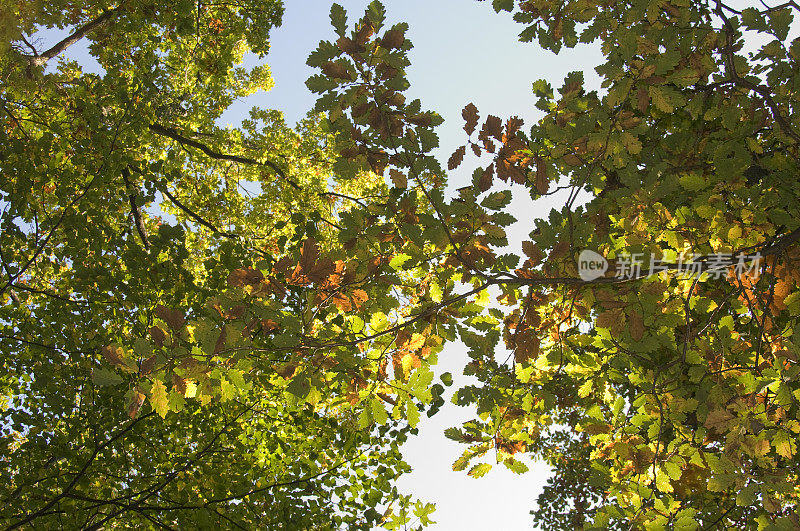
column 463, row 52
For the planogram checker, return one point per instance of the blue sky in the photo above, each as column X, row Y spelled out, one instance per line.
column 463, row 53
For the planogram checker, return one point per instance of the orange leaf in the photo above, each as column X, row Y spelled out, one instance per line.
column 360, row 297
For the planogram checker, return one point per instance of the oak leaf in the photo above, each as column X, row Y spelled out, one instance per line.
column 471, row 117
column 456, row 158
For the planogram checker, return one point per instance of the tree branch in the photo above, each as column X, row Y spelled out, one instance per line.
column 41, row 59
column 186, row 141
column 196, row 216
column 137, row 213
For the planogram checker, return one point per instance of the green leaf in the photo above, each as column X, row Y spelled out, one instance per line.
column 339, row 19
column 299, row 386
column 104, row 377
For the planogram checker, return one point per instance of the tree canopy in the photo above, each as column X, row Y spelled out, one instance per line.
column 237, row 328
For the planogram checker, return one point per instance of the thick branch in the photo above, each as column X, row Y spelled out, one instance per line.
column 80, row 33
column 186, row 141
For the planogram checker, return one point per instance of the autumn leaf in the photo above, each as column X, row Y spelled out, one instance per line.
column 642, row 99
column 398, row 178
column 173, row 317
column 471, row 117
column 245, row 277
column 493, row 127
column 718, row 420
column 135, row 402
column 336, row 70
column 456, row 158
column 393, row 39
column 158, row 398
column 635, row 325
column 542, row 182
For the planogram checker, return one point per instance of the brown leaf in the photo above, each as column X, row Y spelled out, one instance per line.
column 609, row 319
column 513, row 125
column 178, row 384
column 246, row 276
column 636, row 325
column 456, row 158
column 174, row 318
column 398, row 178
column 336, row 71
column 137, row 399
column 493, row 127
column 115, row 356
column 532, row 251
column 510, row 447
column 364, row 32
column 486, row 179
column 348, row 46
column 147, row 366
column 393, row 39
column 309, row 255
column 560, row 249
column 526, row 345
column 386, row 398
column 287, row 370
column 471, row 117
column 542, row 182
column 642, row 99
column 718, row 420
column 219, row 346
column 158, row 335
column 422, row 119
column 476, row 148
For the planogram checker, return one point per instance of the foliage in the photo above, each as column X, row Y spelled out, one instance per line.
column 261, row 358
